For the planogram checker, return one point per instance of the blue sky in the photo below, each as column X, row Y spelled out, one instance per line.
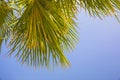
column 96, row 57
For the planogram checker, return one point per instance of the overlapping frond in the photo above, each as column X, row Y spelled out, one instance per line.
column 40, row 31
column 6, row 20
column 101, row 8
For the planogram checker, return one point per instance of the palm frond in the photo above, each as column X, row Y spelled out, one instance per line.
column 42, row 33
column 101, row 8
column 6, row 20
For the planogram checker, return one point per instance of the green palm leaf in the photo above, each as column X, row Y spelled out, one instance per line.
column 6, row 20
column 42, row 33
column 101, row 8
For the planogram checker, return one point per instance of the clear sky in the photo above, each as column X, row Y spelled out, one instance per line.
column 96, row 57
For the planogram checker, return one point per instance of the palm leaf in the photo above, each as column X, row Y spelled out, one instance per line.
column 101, row 8
column 6, row 20
column 42, row 33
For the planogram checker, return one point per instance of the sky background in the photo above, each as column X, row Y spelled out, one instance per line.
column 96, row 57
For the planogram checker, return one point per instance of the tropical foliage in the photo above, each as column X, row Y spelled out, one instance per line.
column 38, row 32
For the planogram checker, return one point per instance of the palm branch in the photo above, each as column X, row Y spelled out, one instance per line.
column 41, row 31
